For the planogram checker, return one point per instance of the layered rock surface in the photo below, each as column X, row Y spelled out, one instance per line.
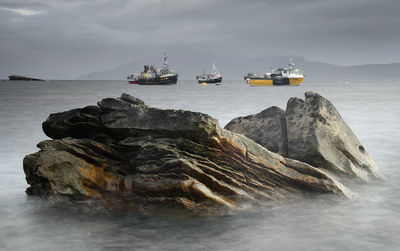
column 311, row 131
column 124, row 150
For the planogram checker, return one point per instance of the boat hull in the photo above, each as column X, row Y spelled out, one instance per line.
column 210, row 81
column 275, row 81
column 170, row 80
column 133, row 82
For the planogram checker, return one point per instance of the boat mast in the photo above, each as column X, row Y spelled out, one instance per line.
column 291, row 64
column 165, row 61
column 214, row 69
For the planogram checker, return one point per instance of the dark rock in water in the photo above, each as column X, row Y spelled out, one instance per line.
column 23, row 78
column 315, row 133
column 267, row 128
column 123, row 150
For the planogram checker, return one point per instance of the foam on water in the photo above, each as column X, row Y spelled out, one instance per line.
column 368, row 223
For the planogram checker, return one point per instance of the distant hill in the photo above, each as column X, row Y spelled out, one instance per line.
column 236, row 68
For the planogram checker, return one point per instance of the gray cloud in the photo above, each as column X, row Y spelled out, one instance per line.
column 67, row 38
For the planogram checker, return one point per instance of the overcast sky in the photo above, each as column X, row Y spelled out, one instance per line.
column 62, row 39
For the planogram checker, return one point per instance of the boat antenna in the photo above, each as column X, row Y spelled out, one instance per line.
column 214, row 68
column 165, row 60
column 291, row 64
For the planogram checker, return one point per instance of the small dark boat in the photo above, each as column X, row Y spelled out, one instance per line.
column 22, row 78
column 212, row 78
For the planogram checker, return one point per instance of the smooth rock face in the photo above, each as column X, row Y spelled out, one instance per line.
column 124, row 150
column 316, row 134
column 267, row 128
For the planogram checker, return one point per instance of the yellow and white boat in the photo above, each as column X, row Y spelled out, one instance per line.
column 279, row 76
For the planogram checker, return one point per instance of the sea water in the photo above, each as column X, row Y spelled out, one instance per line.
column 371, row 222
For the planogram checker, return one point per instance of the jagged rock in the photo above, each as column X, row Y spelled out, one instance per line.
column 315, row 133
column 124, row 150
column 76, row 123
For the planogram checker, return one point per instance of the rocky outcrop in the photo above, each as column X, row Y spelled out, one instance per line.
column 315, row 133
column 123, row 150
column 22, row 78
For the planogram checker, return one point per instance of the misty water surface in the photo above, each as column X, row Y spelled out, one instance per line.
column 371, row 222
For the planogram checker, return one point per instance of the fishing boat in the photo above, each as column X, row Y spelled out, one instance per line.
column 158, row 76
column 280, row 76
column 213, row 77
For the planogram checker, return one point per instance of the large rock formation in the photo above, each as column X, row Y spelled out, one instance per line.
column 311, row 131
column 124, row 150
